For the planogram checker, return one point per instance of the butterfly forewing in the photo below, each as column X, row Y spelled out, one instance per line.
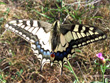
column 80, row 35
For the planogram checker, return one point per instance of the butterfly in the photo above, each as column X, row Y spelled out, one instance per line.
column 54, row 43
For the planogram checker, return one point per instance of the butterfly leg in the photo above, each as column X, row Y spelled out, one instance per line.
column 61, row 69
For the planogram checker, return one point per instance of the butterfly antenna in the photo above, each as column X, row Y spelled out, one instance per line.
column 61, row 8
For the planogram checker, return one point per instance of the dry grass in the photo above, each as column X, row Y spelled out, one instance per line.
column 19, row 65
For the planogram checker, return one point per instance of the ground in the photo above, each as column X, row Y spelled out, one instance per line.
column 19, row 65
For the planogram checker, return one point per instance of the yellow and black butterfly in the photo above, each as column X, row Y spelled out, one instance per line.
column 54, row 43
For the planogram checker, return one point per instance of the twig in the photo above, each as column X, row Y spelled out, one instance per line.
column 81, row 71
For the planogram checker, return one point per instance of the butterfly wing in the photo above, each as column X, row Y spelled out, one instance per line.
column 35, row 32
column 74, row 36
column 80, row 35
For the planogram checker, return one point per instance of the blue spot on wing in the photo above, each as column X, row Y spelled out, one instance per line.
column 48, row 53
column 44, row 53
column 60, row 55
column 57, row 54
column 37, row 43
column 64, row 53
column 68, row 50
column 41, row 50
column 38, row 47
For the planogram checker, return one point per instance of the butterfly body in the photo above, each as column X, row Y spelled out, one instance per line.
column 54, row 43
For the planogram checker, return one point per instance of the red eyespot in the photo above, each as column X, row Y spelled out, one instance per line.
column 52, row 55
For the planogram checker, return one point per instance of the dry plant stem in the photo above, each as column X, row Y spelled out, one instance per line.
column 81, row 71
column 3, row 32
column 85, row 3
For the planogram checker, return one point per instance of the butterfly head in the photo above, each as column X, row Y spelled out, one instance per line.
column 56, row 26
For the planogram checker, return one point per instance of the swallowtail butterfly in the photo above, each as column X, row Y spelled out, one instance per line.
column 54, row 43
